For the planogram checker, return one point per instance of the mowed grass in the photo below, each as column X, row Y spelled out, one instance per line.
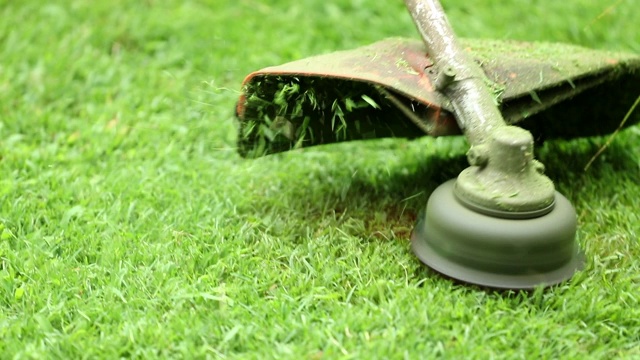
column 130, row 228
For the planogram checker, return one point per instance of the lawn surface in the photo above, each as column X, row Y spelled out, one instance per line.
column 129, row 226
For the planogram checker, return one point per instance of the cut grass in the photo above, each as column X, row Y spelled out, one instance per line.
column 131, row 228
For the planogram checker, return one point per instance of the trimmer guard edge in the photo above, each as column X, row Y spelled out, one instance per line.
column 361, row 93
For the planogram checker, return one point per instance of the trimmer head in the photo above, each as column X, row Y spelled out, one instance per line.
column 494, row 251
column 500, row 223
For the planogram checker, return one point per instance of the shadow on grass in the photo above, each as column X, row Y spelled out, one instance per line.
column 388, row 202
column 564, row 160
column 386, row 197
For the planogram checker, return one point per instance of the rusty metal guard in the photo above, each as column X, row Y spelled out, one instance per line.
column 365, row 93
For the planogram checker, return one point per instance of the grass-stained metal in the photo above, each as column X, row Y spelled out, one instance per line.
column 553, row 90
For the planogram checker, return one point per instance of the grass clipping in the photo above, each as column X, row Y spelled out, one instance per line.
column 287, row 112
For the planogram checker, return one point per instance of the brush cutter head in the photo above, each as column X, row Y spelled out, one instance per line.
column 500, row 223
column 495, row 251
column 553, row 90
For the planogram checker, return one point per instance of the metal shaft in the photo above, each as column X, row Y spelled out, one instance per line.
column 488, row 183
column 459, row 77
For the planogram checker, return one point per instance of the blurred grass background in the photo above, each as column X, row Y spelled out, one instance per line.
column 129, row 227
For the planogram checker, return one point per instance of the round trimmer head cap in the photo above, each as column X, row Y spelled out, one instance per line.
column 498, row 252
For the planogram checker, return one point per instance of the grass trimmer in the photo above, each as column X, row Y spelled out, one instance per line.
column 500, row 223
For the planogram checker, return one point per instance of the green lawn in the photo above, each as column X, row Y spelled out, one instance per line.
column 131, row 228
